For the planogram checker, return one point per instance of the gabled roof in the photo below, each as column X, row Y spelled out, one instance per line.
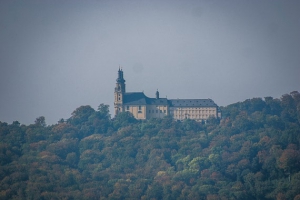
column 160, row 101
column 139, row 98
column 192, row 103
column 135, row 98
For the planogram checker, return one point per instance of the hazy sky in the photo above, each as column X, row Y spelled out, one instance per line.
column 58, row 55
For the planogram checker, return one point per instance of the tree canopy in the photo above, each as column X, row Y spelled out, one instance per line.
column 253, row 152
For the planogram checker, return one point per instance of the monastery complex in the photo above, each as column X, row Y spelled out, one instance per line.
column 143, row 107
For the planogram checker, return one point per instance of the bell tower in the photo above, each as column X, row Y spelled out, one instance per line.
column 119, row 92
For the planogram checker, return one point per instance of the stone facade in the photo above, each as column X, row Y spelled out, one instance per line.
column 143, row 107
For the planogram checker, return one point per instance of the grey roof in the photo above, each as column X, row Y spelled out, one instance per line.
column 139, row 98
column 160, row 101
column 192, row 103
column 135, row 98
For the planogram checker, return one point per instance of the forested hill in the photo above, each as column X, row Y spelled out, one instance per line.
column 252, row 153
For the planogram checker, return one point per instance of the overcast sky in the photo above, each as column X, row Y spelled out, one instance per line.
column 58, row 55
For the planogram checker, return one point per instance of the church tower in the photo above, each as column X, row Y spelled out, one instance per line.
column 119, row 92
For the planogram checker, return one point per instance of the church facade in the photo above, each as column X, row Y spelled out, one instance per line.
column 143, row 107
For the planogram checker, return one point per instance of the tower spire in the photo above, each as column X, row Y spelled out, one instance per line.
column 119, row 92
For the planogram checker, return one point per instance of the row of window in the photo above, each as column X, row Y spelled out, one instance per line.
column 192, row 116
column 184, row 110
column 140, row 108
column 196, row 111
column 191, row 108
column 157, row 111
column 150, row 111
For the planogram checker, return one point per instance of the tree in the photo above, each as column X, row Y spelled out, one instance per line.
column 123, row 119
column 40, row 121
column 273, row 106
column 100, row 119
column 103, row 111
column 289, row 160
column 287, row 101
column 296, row 96
column 81, row 115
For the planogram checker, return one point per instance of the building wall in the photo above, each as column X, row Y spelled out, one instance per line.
column 138, row 111
column 178, row 113
column 157, row 111
column 195, row 113
column 147, row 111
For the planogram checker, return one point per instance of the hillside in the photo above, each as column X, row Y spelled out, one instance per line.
column 252, row 153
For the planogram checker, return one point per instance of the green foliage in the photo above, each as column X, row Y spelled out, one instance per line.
column 252, row 153
column 40, row 121
column 123, row 119
column 103, row 111
column 81, row 115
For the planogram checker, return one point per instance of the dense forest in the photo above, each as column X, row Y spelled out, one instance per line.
column 253, row 152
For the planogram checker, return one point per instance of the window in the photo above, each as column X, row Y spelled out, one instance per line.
column 127, row 107
column 165, row 111
column 140, row 107
column 160, row 111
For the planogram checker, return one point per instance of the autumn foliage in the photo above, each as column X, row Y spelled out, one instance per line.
column 253, row 152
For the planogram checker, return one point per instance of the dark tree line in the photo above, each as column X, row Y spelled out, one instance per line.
column 252, row 153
